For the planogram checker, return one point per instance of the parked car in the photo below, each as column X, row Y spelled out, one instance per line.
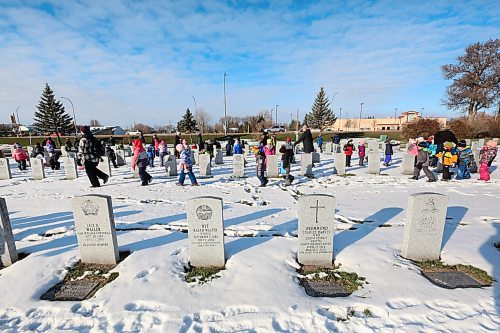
column 275, row 129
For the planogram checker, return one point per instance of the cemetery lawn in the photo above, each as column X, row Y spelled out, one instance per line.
column 259, row 290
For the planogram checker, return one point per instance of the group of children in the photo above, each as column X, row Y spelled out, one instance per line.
column 451, row 155
column 349, row 150
column 266, row 148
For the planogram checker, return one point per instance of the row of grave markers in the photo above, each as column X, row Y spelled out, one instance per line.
column 96, row 232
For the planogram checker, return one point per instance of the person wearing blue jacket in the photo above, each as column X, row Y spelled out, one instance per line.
column 319, row 141
column 238, row 149
column 151, row 155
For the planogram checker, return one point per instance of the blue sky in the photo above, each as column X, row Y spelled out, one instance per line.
column 130, row 61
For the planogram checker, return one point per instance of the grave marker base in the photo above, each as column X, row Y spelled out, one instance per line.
column 85, row 288
column 452, row 280
column 324, row 289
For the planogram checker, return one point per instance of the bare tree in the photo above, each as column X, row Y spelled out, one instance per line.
column 203, row 120
column 348, row 124
column 146, row 129
column 476, row 78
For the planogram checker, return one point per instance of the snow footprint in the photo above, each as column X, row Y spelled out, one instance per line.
column 144, row 273
column 402, row 303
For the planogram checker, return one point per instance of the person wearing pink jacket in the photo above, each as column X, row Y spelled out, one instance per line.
column 269, row 149
column 20, row 156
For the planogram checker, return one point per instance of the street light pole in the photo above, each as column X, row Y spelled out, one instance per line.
column 277, row 114
column 225, row 107
column 422, row 113
column 194, row 99
column 340, row 118
column 360, row 112
column 74, row 118
column 18, row 123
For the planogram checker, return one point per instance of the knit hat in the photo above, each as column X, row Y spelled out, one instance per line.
column 85, row 129
column 462, row 144
column 288, row 139
column 448, row 145
column 269, row 141
column 423, row 144
column 491, row 143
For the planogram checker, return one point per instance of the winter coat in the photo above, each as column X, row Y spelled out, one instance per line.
column 269, row 150
column 388, row 148
column 110, row 153
column 448, row 157
column 348, row 149
column 487, row 154
column 85, row 151
column 432, row 149
column 156, row 143
column 201, row 143
column 445, row 136
column 20, row 155
column 465, row 156
column 260, row 160
column 336, row 139
column 140, row 158
column 287, row 151
column 185, row 157
column 307, row 139
column 151, row 151
column 38, row 150
column 423, row 158
column 319, row 141
column 413, row 150
column 237, row 149
column 50, row 147
column 361, row 150
column 162, row 147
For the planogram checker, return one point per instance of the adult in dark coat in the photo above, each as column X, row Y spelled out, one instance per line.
column 177, row 140
column 201, row 143
column 307, row 139
column 443, row 136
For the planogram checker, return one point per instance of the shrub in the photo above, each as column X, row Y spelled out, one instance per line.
column 421, row 127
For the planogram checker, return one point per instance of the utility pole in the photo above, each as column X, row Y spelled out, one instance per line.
column 360, row 112
column 225, row 107
column 340, row 118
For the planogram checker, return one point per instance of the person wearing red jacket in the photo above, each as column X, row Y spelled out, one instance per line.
column 140, row 160
column 348, row 150
column 20, row 156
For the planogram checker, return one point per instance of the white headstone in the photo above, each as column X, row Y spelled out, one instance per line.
column 195, row 154
column 272, row 166
column 95, row 229
column 5, row 169
column 373, row 163
column 316, row 229
column 315, row 157
column 70, row 168
column 135, row 172
column 480, row 143
column 474, row 146
column 219, row 159
column 407, row 164
column 339, row 163
column 238, row 166
column 64, row 153
column 171, row 150
column 37, row 168
column 373, row 146
column 171, row 165
column 104, row 166
column 120, row 157
column 306, row 162
column 8, row 253
column 424, row 228
column 204, row 163
column 328, row 148
column 30, row 150
column 206, row 232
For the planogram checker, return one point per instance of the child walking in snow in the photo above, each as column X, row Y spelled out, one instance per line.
column 260, row 162
column 361, row 152
column 449, row 158
column 486, row 156
column 186, row 164
column 20, row 156
column 348, row 150
column 422, row 163
column 465, row 159
column 151, row 155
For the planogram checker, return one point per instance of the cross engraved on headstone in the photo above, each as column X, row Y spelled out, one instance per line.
column 317, row 207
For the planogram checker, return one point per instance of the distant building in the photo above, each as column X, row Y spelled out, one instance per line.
column 107, row 130
column 380, row 124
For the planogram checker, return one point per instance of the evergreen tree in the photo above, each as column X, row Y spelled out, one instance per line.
column 51, row 116
column 187, row 124
column 321, row 115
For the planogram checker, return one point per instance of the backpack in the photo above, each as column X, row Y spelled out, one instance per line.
column 97, row 148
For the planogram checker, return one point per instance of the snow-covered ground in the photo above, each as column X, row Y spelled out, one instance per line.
column 259, row 290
